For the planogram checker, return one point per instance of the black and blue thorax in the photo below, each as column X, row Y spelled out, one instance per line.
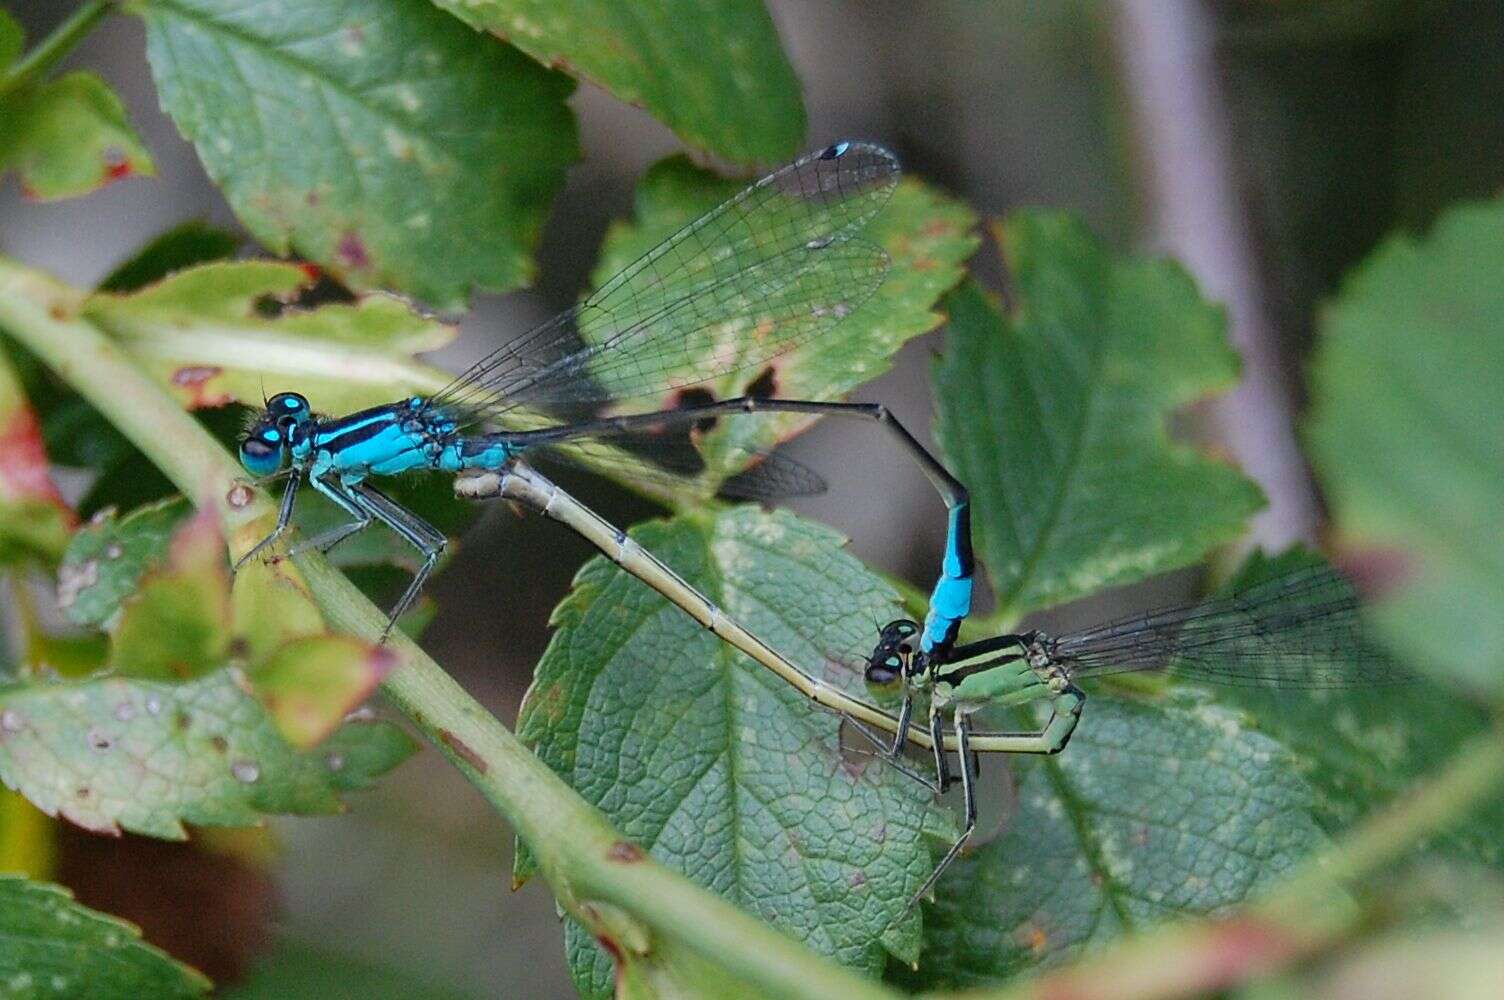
column 391, row 439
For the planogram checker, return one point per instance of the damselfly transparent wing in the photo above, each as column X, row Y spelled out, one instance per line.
column 1302, row 629
column 772, row 268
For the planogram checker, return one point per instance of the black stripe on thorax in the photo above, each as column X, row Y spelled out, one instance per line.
column 349, row 431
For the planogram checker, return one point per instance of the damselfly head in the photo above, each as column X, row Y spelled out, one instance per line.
column 265, row 443
column 263, row 448
column 893, row 656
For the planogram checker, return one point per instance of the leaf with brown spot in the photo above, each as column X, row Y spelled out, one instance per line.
column 67, row 137
column 918, row 224
column 201, row 334
column 386, row 141
column 112, row 753
column 723, row 769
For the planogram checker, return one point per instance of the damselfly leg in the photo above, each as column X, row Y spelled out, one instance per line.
column 367, row 504
column 326, row 540
column 284, row 520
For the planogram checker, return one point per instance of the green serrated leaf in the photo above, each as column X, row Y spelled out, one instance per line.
column 928, row 238
column 1153, row 811
column 68, row 137
column 1406, row 430
column 108, row 556
column 1054, row 415
column 52, row 946
column 177, row 626
column 206, row 333
column 714, row 73
column 714, row 764
column 380, row 138
column 148, row 757
column 177, row 249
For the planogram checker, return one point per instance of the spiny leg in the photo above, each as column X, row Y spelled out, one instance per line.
column 883, row 752
column 284, row 518
column 419, row 533
column 892, row 748
column 969, row 792
column 326, row 540
column 905, row 719
column 937, row 740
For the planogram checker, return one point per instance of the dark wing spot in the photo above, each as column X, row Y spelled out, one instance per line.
column 765, row 386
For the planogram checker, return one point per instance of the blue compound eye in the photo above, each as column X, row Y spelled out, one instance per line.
column 287, row 410
column 262, row 451
column 884, row 672
column 287, row 404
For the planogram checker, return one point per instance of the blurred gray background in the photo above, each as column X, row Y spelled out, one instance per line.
column 1269, row 145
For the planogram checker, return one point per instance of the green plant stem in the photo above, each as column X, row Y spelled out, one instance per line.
column 585, row 861
column 45, row 54
column 1309, row 912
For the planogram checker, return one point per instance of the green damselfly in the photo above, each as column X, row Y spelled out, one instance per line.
column 1299, row 629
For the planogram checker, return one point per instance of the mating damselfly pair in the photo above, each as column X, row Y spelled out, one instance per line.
column 775, row 267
